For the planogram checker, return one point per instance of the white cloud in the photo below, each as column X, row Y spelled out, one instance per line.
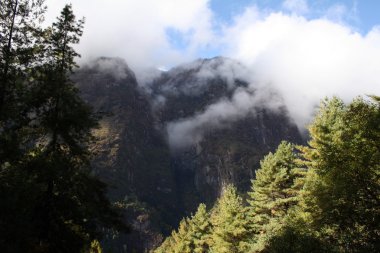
column 243, row 97
column 306, row 60
column 136, row 29
column 245, row 101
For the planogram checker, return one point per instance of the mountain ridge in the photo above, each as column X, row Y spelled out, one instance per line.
column 133, row 152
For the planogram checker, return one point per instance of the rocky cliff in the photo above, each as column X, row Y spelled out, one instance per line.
column 216, row 136
column 176, row 141
column 130, row 155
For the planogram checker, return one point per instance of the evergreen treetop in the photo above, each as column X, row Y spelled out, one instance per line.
column 230, row 228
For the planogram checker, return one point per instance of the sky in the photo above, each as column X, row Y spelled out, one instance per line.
column 361, row 14
column 167, row 32
column 305, row 49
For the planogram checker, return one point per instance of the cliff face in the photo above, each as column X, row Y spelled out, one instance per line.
column 228, row 137
column 232, row 155
column 179, row 140
column 130, row 155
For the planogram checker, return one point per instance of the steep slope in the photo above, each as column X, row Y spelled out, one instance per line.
column 217, row 137
column 166, row 148
column 126, row 136
column 191, row 87
column 129, row 154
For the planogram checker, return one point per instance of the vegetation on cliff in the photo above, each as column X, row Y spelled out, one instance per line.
column 323, row 197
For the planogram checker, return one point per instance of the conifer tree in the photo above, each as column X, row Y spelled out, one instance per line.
column 229, row 224
column 179, row 241
column 53, row 203
column 274, row 191
column 73, row 204
column 167, row 246
column 182, row 237
column 20, row 37
column 20, row 46
column 192, row 235
column 343, row 185
column 200, row 229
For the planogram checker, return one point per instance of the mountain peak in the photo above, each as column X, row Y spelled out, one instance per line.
column 199, row 76
column 114, row 66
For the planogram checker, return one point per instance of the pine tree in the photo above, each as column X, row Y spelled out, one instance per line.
column 343, row 188
column 179, row 241
column 274, row 191
column 52, row 203
column 72, row 205
column 20, row 44
column 167, row 246
column 192, row 235
column 200, row 228
column 182, row 237
column 229, row 224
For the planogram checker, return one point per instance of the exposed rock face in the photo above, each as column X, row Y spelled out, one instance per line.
column 232, row 155
column 172, row 145
column 229, row 150
column 129, row 154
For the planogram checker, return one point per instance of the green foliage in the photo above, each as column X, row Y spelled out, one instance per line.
column 167, row 246
column 274, row 191
column 229, row 223
column 182, row 238
column 324, row 198
column 50, row 200
column 192, row 235
column 343, row 188
column 290, row 239
column 20, row 44
column 200, row 228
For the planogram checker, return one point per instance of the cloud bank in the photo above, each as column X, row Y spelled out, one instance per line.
column 304, row 54
column 306, row 60
column 245, row 101
column 137, row 30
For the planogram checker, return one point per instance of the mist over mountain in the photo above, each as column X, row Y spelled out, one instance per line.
column 176, row 141
column 306, row 50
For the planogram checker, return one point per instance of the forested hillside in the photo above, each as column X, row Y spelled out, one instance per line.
column 322, row 197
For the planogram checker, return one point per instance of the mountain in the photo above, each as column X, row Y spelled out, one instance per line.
column 174, row 142
column 202, row 100
column 130, row 155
